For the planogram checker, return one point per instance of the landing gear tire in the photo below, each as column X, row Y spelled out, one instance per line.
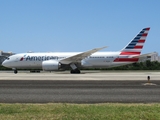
column 76, row 71
column 15, row 71
column 72, row 71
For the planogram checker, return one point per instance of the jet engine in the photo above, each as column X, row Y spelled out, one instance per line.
column 50, row 65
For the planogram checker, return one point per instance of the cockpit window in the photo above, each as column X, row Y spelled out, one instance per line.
column 8, row 58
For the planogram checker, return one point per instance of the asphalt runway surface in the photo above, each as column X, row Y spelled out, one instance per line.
column 29, row 89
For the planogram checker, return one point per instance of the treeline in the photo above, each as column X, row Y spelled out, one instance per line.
column 147, row 65
column 4, row 68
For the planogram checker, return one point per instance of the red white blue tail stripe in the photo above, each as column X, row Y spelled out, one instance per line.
column 133, row 48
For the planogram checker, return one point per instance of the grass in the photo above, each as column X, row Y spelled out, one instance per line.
column 57, row 111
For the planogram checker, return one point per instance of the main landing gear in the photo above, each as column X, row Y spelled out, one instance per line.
column 76, row 71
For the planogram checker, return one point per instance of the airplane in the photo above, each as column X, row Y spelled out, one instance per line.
column 74, row 61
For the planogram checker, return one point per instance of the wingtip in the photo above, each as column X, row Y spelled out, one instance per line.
column 100, row 48
column 105, row 46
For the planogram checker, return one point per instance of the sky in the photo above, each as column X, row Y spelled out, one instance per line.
column 77, row 25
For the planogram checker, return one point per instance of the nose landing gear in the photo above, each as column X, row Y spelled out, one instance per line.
column 15, row 70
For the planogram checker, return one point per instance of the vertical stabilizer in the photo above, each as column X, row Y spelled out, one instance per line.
column 135, row 46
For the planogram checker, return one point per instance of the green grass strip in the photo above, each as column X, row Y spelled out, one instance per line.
column 108, row 111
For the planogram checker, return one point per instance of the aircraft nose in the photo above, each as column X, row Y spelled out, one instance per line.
column 4, row 63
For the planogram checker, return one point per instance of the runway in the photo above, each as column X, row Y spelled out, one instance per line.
column 56, row 88
column 85, row 75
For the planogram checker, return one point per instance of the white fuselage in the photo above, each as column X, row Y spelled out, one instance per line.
column 34, row 60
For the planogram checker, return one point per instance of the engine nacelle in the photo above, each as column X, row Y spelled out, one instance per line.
column 50, row 65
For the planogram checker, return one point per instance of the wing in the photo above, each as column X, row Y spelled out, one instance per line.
column 80, row 56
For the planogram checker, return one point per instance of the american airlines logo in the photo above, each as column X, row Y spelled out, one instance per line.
column 38, row 58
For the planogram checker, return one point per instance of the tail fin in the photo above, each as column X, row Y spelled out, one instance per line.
column 135, row 46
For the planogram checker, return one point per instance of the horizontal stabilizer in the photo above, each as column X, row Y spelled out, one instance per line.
column 144, row 55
